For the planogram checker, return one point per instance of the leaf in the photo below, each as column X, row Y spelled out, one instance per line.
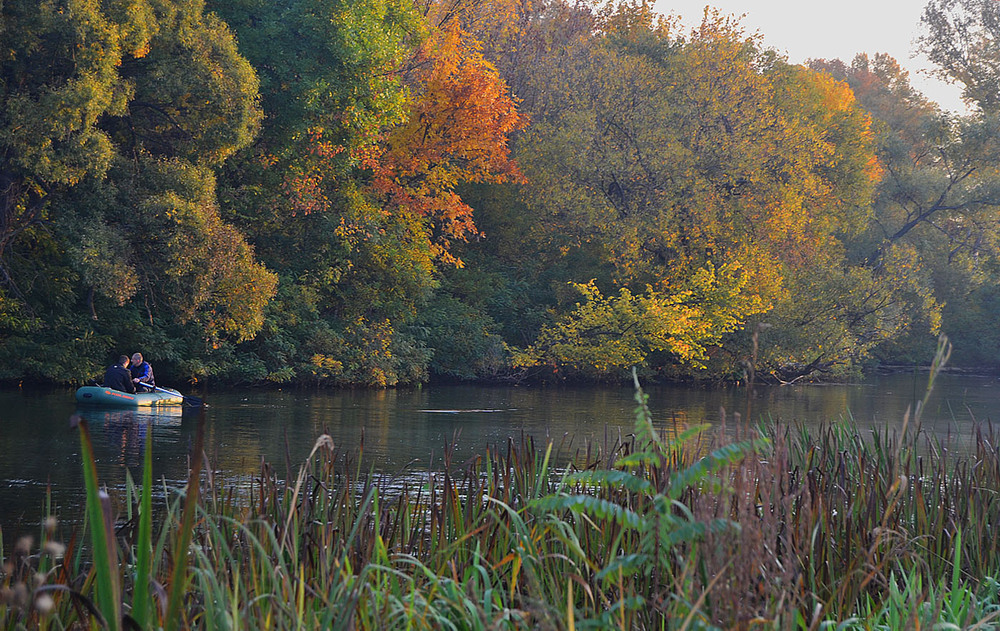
column 592, row 506
column 104, row 547
column 626, row 564
column 456, row 133
column 610, row 479
column 716, row 460
column 694, row 530
column 142, row 602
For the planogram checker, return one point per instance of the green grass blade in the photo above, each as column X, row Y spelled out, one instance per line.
column 141, row 600
column 106, row 586
column 179, row 576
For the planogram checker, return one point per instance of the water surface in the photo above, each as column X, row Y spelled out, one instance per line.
column 412, row 428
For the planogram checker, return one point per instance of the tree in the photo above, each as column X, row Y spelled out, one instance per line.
column 963, row 40
column 604, row 335
column 112, row 117
column 456, row 133
column 934, row 231
column 678, row 156
column 351, row 193
column 59, row 76
column 330, row 88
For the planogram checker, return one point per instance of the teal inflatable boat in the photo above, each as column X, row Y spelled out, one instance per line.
column 99, row 395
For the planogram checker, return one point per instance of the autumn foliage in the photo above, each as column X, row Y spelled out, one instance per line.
column 480, row 188
column 456, row 133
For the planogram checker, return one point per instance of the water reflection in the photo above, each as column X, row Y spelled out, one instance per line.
column 412, row 428
column 124, row 431
column 161, row 416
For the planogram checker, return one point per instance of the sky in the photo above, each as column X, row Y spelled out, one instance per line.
column 833, row 30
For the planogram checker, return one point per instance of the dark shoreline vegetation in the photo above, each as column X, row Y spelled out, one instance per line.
column 370, row 194
column 780, row 530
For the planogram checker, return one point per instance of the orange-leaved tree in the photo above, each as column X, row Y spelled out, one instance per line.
column 457, row 132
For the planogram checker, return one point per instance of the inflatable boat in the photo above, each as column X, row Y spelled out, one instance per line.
column 99, row 395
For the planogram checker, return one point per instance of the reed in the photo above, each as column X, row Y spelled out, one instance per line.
column 105, row 554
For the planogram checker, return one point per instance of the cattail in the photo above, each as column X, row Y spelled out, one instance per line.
column 23, row 545
column 20, row 595
column 55, row 549
column 44, row 603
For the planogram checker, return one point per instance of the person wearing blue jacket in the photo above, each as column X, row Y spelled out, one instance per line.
column 142, row 374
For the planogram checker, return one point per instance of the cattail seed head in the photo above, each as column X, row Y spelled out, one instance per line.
column 23, row 545
column 44, row 604
column 55, row 549
column 20, row 597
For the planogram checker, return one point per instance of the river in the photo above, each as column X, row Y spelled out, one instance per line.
column 411, row 428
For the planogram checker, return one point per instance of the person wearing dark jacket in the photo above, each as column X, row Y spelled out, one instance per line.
column 142, row 374
column 118, row 377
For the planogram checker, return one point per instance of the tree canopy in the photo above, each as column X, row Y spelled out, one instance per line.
column 113, row 117
column 375, row 192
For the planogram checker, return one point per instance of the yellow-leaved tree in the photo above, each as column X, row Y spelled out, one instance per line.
column 603, row 335
column 687, row 157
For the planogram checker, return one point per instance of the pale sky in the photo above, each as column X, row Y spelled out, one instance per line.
column 832, row 30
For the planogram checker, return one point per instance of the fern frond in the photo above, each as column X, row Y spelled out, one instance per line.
column 694, row 530
column 611, row 479
column 636, row 459
column 716, row 460
column 592, row 506
column 644, row 431
column 689, row 434
column 627, row 564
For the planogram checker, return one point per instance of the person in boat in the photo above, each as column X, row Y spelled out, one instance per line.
column 142, row 374
column 118, row 376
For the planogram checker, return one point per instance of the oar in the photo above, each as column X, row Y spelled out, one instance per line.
column 192, row 401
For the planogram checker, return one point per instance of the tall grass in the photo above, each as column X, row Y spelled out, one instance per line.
column 804, row 531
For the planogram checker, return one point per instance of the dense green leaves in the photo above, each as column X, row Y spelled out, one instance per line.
column 111, row 116
column 703, row 168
